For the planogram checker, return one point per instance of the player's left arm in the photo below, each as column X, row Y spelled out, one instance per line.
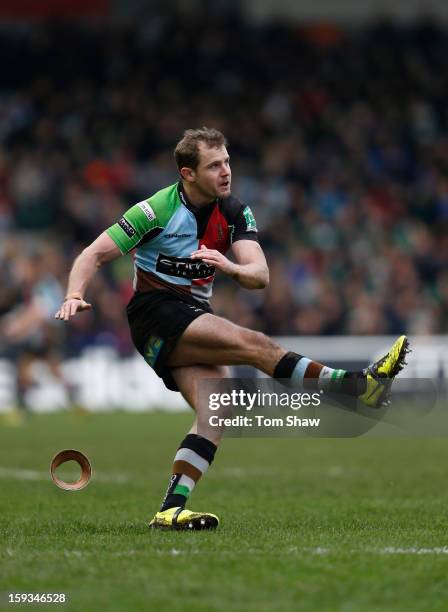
column 250, row 269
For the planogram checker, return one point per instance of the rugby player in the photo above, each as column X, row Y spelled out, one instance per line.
column 181, row 236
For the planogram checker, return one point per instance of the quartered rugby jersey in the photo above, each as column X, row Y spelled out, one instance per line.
column 166, row 229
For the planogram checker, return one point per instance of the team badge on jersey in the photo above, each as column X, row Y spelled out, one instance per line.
column 251, row 225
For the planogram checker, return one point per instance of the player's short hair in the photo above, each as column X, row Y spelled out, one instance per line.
column 186, row 152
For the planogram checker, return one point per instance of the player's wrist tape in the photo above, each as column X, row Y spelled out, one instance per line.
column 73, row 296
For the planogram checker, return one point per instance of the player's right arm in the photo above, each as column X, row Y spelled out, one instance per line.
column 138, row 223
column 102, row 250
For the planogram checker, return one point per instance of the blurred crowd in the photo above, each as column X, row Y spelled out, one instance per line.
column 338, row 141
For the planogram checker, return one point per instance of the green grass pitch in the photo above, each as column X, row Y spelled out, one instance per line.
column 306, row 524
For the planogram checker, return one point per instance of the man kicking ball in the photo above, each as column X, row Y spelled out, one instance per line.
column 181, row 236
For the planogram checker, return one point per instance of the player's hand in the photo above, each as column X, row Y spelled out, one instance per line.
column 70, row 307
column 215, row 258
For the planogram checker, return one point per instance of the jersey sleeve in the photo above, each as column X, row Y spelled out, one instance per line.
column 245, row 226
column 138, row 223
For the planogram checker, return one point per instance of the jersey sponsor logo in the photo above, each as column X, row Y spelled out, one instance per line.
column 194, row 308
column 251, row 225
column 183, row 267
column 178, row 235
column 146, row 208
column 126, row 227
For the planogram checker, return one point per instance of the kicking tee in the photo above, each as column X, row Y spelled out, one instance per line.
column 165, row 229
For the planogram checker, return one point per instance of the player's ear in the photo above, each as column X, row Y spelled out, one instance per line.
column 188, row 174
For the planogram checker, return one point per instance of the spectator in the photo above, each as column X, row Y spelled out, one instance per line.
column 344, row 162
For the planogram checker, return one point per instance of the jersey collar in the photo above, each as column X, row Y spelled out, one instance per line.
column 186, row 202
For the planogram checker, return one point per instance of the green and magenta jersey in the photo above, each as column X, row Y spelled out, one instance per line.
column 165, row 229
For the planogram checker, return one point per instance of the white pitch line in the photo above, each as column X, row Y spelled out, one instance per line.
column 388, row 550
column 293, row 551
column 391, row 550
column 218, row 472
column 239, row 472
column 22, row 474
column 334, row 471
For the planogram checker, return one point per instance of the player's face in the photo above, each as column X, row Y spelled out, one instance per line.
column 213, row 175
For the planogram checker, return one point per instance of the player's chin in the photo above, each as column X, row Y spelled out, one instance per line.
column 224, row 190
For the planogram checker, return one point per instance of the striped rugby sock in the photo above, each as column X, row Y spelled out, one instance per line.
column 311, row 375
column 193, row 457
